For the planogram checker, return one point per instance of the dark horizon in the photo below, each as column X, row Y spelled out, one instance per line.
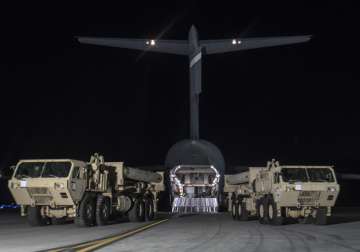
column 297, row 103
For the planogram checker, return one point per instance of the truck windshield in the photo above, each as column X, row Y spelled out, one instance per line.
column 43, row 169
column 294, row 175
column 320, row 175
column 56, row 169
column 29, row 170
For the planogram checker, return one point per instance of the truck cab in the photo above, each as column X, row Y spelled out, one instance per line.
column 298, row 186
column 278, row 192
column 48, row 185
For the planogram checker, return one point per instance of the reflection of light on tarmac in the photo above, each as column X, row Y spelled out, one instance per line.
column 9, row 206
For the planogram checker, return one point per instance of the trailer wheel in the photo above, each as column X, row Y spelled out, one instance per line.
column 273, row 217
column 102, row 210
column 321, row 218
column 35, row 218
column 149, row 210
column 86, row 216
column 234, row 210
column 137, row 212
column 262, row 211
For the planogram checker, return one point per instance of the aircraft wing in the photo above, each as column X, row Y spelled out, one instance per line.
column 348, row 176
column 231, row 45
column 164, row 46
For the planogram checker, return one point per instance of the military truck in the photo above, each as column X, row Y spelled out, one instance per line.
column 278, row 192
column 91, row 193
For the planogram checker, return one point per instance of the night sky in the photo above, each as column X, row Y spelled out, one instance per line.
column 297, row 103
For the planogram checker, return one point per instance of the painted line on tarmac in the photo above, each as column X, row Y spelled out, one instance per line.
column 97, row 244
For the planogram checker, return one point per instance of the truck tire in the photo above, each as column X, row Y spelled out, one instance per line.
column 273, row 217
column 262, row 211
column 137, row 212
column 321, row 218
column 86, row 216
column 243, row 212
column 102, row 213
column 234, row 210
column 149, row 209
column 35, row 218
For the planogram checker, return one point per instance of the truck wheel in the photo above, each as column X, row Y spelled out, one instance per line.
column 262, row 211
column 102, row 212
column 234, row 210
column 149, row 210
column 35, row 218
column 86, row 216
column 321, row 218
column 137, row 212
column 273, row 217
column 243, row 212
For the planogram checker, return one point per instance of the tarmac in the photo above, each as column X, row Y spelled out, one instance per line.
column 184, row 233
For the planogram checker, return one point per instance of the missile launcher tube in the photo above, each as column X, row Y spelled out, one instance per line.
column 142, row 175
column 237, row 179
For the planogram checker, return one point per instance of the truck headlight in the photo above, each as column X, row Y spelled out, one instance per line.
column 332, row 189
column 59, row 186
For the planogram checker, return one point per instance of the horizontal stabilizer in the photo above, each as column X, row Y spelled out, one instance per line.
column 164, row 46
column 232, row 45
column 348, row 176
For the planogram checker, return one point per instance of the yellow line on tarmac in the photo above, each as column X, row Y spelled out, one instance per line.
column 106, row 241
column 74, row 247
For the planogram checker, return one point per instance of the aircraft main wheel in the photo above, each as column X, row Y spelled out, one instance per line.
column 262, row 211
column 321, row 218
column 137, row 212
column 273, row 216
column 234, row 210
column 102, row 210
column 86, row 216
column 35, row 218
column 149, row 210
